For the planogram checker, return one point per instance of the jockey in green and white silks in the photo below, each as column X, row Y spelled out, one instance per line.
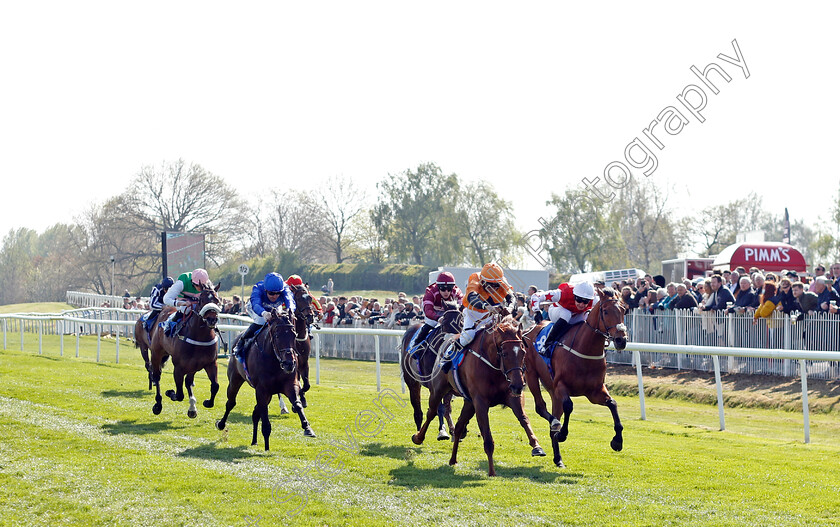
column 187, row 287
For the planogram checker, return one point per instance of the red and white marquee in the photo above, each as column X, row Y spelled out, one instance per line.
column 768, row 256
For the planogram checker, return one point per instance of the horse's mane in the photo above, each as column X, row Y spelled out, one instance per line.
column 609, row 292
column 508, row 324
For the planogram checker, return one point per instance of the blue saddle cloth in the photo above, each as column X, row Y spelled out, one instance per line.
column 541, row 338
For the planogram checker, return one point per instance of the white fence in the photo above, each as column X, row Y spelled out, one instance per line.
column 685, row 328
column 76, row 298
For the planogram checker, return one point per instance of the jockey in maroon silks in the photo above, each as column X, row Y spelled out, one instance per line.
column 443, row 290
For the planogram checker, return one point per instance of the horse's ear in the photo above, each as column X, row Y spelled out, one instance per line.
column 218, row 286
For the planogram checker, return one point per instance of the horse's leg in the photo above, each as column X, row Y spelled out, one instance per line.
column 555, row 445
column 213, row 374
column 188, row 380
column 516, row 404
column 435, row 396
column 603, row 398
column 447, row 402
column 283, row 408
column 467, row 412
column 263, row 400
column 178, row 375
column 443, row 434
column 532, row 379
column 255, row 419
column 303, row 371
column 234, row 383
column 483, row 420
column 155, row 377
column 561, row 395
column 291, row 390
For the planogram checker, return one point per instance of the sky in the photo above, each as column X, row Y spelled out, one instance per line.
column 531, row 97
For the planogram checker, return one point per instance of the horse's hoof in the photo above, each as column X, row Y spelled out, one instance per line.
column 442, row 435
column 192, row 414
column 220, row 424
column 208, row 403
column 556, row 426
column 308, row 432
column 284, row 410
column 453, row 462
column 416, row 440
column 157, row 408
column 561, row 436
column 254, row 443
column 617, row 444
column 537, row 451
column 560, row 463
column 303, row 401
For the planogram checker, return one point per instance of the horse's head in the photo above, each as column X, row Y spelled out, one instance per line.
column 610, row 318
column 208, row 305
column 281, row 335
column 451, row 320
column 511, row 350
column 303, row 303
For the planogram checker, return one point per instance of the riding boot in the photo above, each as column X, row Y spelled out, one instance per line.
column 556, row 333
column 242, row 344
column 448, row 355
column 421, row 336
column 169, row 324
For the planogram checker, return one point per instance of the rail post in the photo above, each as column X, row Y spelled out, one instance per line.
column 378, row 365
column 317, row 358
column 638, row 360
column 803, row 372
column 719, row 387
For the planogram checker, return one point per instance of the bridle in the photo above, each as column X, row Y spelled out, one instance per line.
column 283, row 322
column 602, row 322
column 502, row 354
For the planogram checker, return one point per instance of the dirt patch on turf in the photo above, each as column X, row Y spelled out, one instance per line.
column 739, row 390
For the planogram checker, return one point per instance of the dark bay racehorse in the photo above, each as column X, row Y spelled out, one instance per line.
column 143, row 340
column 303, row 318
column 271, row 362
column 579, row 367
column 420, row 372
column 193, row 347
column 492, row 373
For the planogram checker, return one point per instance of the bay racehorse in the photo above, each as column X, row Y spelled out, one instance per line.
column 271, row 368
column 193, row 346
column 418, row 368
column 491, row 373
column 578, row 368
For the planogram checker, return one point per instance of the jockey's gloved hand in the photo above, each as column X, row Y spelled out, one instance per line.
column 267, row 315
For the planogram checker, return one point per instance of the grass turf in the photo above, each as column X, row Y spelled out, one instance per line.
column 80, row 446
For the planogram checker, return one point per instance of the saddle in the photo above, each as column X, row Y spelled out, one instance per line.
column 415, row 348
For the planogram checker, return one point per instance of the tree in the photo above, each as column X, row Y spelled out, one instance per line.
column 342, row 203
column 410, row 206
column 717, row 226
column 485, row 220
column 16, row 258
column 646, row 228
column 580, row 237
column 186, row 198
column 369, row 246
column 292, row 224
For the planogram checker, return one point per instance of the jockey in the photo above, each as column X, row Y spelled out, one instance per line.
column 295, row 281
column 156, row 300
column 486, row 291
column 267, row 294
column 569, row 307
column 187, row 287
column 443, row 290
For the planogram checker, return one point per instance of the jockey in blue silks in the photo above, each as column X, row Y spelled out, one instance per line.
column 269, row 293
column 156, row 301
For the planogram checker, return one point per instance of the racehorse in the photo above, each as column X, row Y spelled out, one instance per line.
column 271, row 368
column 193, row 347
column 303, row 318
column 143, row 340
column 492, row 373
column 578, row 368
column 420, row 372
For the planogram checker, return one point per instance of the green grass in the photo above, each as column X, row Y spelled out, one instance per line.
column 79, row 445
column 35, row 307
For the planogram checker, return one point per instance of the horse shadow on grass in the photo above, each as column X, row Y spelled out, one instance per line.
column 445, row 476
column 136, row 427
column 392, row 451
column 213, row 452
column 131, row 394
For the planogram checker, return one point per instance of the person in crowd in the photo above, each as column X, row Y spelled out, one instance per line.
column 269, row 293
column 720, row 294
column 331, row 314
column 156, row 301
column 684, row 300
column 185, row 290
column 375, row 314
column 671, row 291
column 825, row 294
column 807, row 301
column 236, row 305
column 767, row 303
column 127, row 294
column 744, row 297
column 442, row 291
column 786, row 302
column 487, row 292
column 403, row 317
column 627, row 298
column 734, row 279
column 758, row 288
column 819, row 270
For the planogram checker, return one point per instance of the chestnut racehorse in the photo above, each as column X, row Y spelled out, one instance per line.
column 271, row 368
column 419, row 373
column 491, row 373
column 193, row 347
column 579, row 367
